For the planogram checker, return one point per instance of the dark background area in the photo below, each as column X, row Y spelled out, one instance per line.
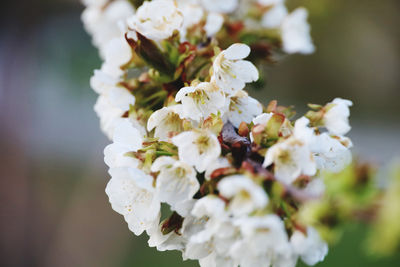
column 53, row 208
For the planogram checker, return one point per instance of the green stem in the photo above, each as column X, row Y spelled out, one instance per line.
column 163, row 153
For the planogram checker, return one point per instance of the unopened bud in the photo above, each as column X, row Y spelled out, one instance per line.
column 243, row 129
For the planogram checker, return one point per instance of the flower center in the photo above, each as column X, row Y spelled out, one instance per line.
column 174, row 123
column 203, row 143
column 180, row 172
column 199, row 96
column 284, row 157
column 244, row 195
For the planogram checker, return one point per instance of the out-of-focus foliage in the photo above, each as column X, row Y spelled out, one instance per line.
column 384, row 238
column 350, row 197
column 353, row 197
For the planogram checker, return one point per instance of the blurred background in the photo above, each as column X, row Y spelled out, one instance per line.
column 53, row 208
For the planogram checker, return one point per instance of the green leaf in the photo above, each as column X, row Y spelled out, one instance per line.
column 154, row 57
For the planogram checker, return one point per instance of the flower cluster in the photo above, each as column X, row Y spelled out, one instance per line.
column 185, row 133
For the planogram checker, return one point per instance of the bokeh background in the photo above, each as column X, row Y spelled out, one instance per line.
column 53, row 208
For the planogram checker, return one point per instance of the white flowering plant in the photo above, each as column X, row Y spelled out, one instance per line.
column 244, row 184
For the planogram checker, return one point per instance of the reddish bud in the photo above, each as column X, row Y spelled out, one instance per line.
column 243, row 129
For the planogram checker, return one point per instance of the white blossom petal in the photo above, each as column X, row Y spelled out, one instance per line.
column 245, row 195
column 336, row 119
column 127, row 135
column 220, row 6
column 311, row 248
column 274, row 17
column 167, row 122
column 242, row 108
column 197, row 148
column 200, row 101
column 230, row 72
column 296, row 33
column 131, row 194
column 237, row 51
column 213, row 24
column 115, row 156
column 176, row 183
column 156, row 20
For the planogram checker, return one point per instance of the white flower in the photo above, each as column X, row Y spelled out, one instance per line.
column 170, row 241
column 274, row 16
column 230, row 72
column 197, row 148
column 127, row 135
column 215, row 235
column 101, row 20
column 109, row 115
column 185, row 207
column 311, row 248
column 285, row 259
column 213, row 24
column 302, row 132
column 127, row 138
column 296, row 33
column 221, row 162
column 245, row 195
column 220, row 6
column 196, row 250
column 191, row 226
column 157, row 20
column 113, row 102
column 200, row 101
column 336, row 119
column 264, row 241
column 216, row 260
column 101, row 82
column 209, row 206
column 242, row 108
column 131, row 194
column 292, row 157
column 117, row 53
column 208, row 212
column 167, row 122
column 120, row 97
column 115, row 156
column 192, row 15
column 176, row 182
column 330, row 153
